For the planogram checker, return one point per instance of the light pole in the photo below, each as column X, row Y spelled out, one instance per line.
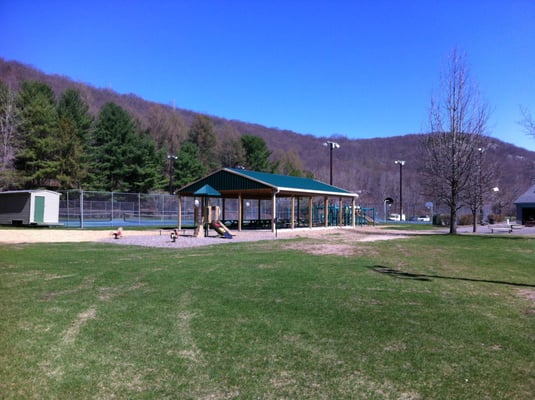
column 401, row 163
column 480, row 183
column 172, row 158
column 332, row 145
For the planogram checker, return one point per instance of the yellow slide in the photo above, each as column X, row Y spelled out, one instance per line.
column 220, row 228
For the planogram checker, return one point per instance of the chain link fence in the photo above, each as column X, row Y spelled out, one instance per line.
column 79, row 208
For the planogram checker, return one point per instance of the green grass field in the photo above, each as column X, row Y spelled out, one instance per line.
column 432, row 317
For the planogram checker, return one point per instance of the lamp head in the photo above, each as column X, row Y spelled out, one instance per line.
column 332, row 145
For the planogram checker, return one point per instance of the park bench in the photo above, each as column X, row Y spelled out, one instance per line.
column 515, row 227
column 505, row 228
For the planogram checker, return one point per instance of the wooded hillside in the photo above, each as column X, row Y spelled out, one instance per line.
column 364, row 166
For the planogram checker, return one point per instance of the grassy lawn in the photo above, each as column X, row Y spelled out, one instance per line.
column 433, row 317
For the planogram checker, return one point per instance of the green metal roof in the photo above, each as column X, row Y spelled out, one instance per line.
column 245, row 181
column 290, row 182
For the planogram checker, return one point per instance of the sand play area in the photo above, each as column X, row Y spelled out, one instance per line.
column 161, row 238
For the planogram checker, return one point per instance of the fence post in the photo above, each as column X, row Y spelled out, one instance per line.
column 139, row 208
column 81, row 208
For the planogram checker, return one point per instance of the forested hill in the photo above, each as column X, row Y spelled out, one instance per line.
column 365, row 166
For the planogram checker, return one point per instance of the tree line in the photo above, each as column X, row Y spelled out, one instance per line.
column 56, row 143
column 59, row 143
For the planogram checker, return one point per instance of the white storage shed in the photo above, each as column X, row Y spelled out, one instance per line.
column 29, row 207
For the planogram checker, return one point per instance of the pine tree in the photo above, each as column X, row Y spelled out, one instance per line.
column 112, row 141
column 38, row 158
column 188, row 166
column 256, row 154
column 147, row 165
column 122, row 159
column 74, row 124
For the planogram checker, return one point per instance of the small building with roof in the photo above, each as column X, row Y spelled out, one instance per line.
column 263, row 200
column 29, row 207
column 525, row 207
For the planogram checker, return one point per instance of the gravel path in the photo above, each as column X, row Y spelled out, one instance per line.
column 161, row 238
column 332, row 235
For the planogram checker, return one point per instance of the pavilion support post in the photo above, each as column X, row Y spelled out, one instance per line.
column 353, row 211
column 274, row 212
column 326, row 211
column 292, row 213
column 240, row 212
column 179, row 222
column 310, row 212
column 340, row 212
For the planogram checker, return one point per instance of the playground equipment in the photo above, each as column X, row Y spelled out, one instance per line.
column 212, row 215
column 118, row 233
column 220, row 228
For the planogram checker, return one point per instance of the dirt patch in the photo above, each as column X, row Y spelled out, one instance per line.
column 72, row 332
column 528, row 294
column 322, row 248
column 340, row 243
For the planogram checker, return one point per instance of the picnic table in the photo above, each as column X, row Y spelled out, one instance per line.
column 505, row 228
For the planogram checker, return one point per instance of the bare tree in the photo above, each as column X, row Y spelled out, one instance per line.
column 8, row 124
column 527, row 122
column 457, row 124
column 9, row 121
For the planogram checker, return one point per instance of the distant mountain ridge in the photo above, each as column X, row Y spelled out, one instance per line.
column 364, row 166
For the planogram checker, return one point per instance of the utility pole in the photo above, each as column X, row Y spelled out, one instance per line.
column 172, row 158
column 401, row 163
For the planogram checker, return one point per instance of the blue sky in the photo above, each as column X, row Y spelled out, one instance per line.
column 361, row 69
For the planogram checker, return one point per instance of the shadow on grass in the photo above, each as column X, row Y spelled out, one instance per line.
column 395, row 273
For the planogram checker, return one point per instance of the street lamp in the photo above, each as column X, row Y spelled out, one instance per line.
column 172, row 158
column 401, row 163
column 480, row 188
column 332, row 145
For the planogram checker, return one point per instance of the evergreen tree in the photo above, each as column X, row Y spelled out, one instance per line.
column 256, row 154
column 122, row 159
column 74, row 124
column 38, row 157
column 147, row 165
column 188, row 167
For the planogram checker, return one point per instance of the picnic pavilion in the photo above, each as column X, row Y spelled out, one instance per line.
column 252, row 199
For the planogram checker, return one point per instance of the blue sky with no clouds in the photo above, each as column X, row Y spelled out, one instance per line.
column 361, row 69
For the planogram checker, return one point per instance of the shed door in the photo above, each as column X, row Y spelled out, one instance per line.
column 39, row 209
